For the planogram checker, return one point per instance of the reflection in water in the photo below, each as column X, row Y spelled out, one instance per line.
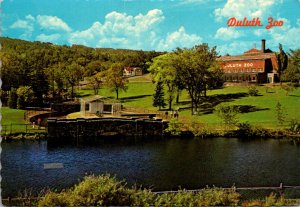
column 162, row 164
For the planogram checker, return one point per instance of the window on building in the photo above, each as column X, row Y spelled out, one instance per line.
column 107, row 108
column 253, row 70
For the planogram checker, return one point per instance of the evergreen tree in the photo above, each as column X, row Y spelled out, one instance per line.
column 12, row 98
column 282, row 61
column 158, row 97
column 279, row 113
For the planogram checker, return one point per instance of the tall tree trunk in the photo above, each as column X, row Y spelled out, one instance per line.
column 192, row 107
column 177, row 97
column 170, row 103
column 117, row 92
column 72, row 92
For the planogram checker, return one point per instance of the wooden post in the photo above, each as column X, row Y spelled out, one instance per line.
column 281, row 188
column 26, row 128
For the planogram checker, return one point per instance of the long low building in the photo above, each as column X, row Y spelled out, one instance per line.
column 257, row 66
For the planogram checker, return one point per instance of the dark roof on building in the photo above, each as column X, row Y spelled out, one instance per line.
column 249, row 56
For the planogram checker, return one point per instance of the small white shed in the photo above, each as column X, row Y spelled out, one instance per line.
column 99, row 105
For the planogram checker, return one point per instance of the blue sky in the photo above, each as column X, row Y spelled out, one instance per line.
column 152, row 24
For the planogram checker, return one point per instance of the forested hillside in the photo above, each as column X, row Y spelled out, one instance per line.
column 44, row 71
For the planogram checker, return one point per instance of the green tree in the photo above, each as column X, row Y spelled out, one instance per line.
column 73, row 73
column 95, row 82
column 198, row 71
column 292, row 73
column 279, row 113
column 113, row 78
column 228, row 113
column 158, row 96
column 282, row 61
column 25, row 96
column 163, row 70
column 12, row 98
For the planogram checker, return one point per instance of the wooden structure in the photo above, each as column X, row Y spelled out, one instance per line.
column 256, row 66
column 98, row 105
column 132, row 71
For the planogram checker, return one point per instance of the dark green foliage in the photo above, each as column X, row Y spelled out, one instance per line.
column 25, row 97
column 282, row 61
column 294, row 126
column 249, row 131
column 158, row 96
column 292, row 73
column 12, row 99
column 50, row 70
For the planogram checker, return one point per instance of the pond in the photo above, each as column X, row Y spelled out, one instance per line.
column 162, row 164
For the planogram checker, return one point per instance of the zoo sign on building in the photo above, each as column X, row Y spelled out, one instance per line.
column 256, row 66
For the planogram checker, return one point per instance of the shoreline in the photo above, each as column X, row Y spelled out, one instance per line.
column 40, row 136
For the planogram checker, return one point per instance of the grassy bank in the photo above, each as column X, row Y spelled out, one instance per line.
column 256, row 110
column 105, row 190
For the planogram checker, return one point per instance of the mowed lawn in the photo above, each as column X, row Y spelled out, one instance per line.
column 257, row 110
column 14, row 117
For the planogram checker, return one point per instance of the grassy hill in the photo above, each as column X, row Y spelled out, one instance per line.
column 257, row 110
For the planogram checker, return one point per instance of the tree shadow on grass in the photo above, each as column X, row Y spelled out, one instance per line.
column 207, row 104
column 133, row 98
column 293, row 95
column 250, row 108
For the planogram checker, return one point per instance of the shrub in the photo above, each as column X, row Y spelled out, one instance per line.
column 201, row 130
column 228, row 113
column 174, row 127
column 107, row 191
column 253, row 91
column 279, row 113
column 288, row 88
column 294, row 126
column 245, row 130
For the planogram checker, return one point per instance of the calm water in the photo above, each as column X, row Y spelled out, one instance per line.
column 161, row 164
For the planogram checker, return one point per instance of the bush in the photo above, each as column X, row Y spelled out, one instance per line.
column 245, row 130
column 174, row 127
column 201, row 130
column 294, row 126
column 252, row 91
column 228, row 113
column 107, row 191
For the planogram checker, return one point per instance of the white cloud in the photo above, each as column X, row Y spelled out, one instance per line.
column 193, row 1
column 286, row 35
column 48, row 38
column 179, row 39
column 244, row 8
column 234, row 48
column 298, row 21
column 25, row 25
column 21, row 24
column 120, row 30
column 53, row 23
column 259, row 32
column 227, row 33
column 30, row 17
